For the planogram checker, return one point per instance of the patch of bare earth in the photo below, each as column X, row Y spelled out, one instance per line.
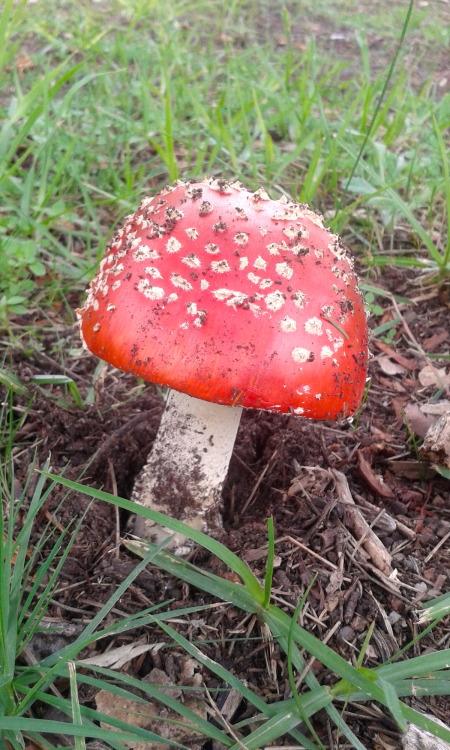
column 356, row 513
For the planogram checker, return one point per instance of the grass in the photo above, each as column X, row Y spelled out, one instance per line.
column 387, row 684
column 28, row 582
column 99, row 108
column 100, row 105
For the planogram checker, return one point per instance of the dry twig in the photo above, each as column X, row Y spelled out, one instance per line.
column 355, row 521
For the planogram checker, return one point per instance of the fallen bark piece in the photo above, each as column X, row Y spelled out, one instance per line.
column 436, row 446
column 418, row 739
column 357, row 524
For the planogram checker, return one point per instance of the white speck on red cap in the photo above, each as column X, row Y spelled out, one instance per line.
column 260, row 195
column 299, row 299
column 314, row 326
column 173, row 245
column 275, row 300
column 149, row 291
column 192, row 261
column 260, row 263
column 155, row 273
column 288, row 325
column 300, row 355
column 177, row 280
column 145, row 253
column 212, row 248
column 285, row 270
column 231, row 298
column 220, row 266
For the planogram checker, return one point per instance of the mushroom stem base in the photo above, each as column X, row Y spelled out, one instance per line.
column 186, row 469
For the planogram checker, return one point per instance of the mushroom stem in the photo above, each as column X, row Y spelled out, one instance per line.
column 186, row 469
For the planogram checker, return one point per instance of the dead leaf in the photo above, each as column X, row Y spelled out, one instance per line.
column 432, row 376
column 375, row 481
column 409, row 364
column 410, row 469
column 417, row 421
column 335, row 582
column 389, row 367
column 391, row 385
column 154, row 717
column 118, row 657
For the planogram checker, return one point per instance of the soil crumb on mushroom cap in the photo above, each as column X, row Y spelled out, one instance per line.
column 232, row 297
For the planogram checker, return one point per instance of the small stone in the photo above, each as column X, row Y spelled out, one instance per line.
column 359, row 623
column 346, row 633
column 394, row 617
column 443, row 529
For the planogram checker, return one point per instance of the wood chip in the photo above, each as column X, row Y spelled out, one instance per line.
column 436, row 446
column 433, row 342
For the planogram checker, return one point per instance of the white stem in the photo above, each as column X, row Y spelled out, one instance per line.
column 186, row 469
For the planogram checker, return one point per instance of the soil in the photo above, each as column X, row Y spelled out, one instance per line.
column 282, row 466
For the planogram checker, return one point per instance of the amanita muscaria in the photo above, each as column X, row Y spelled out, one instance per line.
column 232, row 300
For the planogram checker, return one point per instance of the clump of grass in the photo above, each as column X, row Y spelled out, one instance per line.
column 426, row 675
column 99, row 108
column 29, row 576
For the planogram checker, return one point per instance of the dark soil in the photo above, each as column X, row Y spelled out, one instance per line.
column 282, row 466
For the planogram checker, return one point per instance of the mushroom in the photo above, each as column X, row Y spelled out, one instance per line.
column 232, row 300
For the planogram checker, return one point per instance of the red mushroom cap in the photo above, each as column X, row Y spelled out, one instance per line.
column 232, row 297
